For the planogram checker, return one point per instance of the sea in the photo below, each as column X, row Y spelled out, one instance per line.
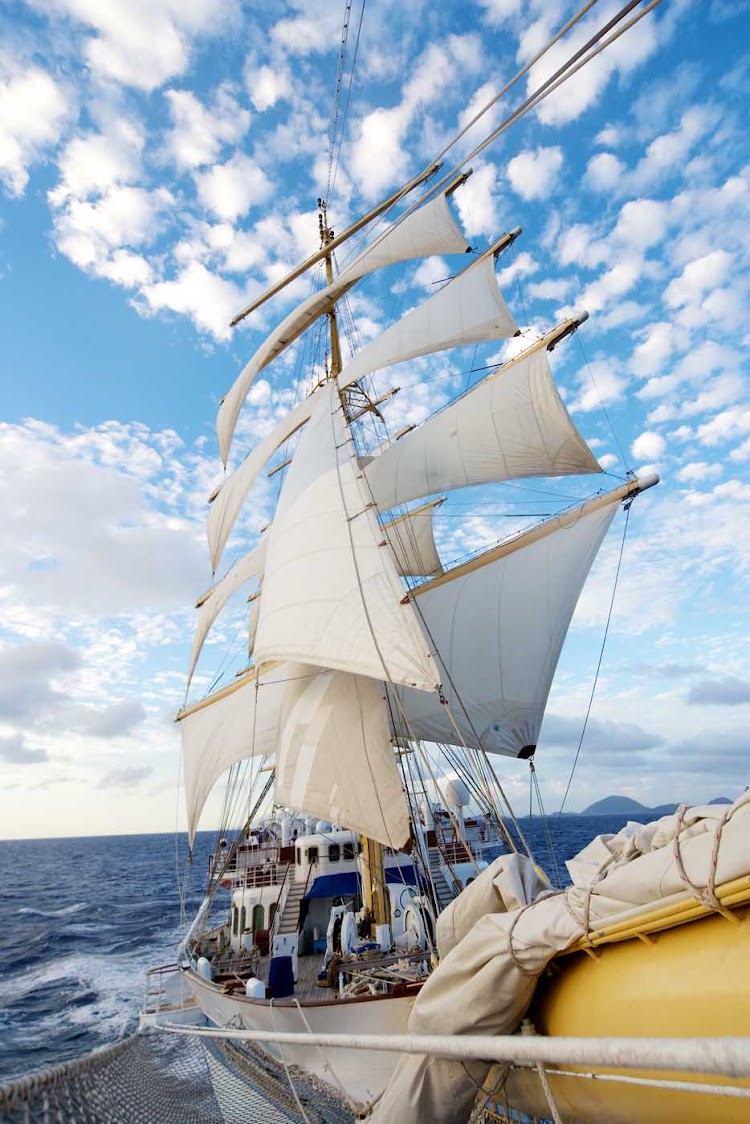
column 81, row 921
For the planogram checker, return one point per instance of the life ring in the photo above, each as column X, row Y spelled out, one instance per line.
column 348, row 933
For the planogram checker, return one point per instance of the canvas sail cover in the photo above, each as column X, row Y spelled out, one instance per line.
column 413, row 543
column 498, row 631
column 469, row 309
column 429, row 230
column 331, row 591
column 511, row 425
column 209, row 606
column 227, row 502
column 335, row 758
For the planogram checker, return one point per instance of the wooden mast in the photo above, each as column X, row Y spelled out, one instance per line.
column 374, row 889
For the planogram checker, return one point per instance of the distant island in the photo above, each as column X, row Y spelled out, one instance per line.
column 624, row 806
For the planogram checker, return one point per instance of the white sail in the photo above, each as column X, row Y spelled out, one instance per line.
column 469, row 309
column 239, row 722
column 512, row 424
column 227, row 502
column 211, row 604
column 498, row 630
column 413, row 543
column 335, row 758
column 429, row 230
column 331, row 592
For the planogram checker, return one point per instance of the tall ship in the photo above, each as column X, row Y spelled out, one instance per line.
column 382, row 686
column 373, row 917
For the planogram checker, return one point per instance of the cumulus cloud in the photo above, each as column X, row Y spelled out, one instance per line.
column 648, row 446
column 533, row 173
column 232, row 188
column 33, row 111
column 141, row 43
column 198, row 133
column 604, row 170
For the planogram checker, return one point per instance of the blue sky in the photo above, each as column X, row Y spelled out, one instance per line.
column 159, row 165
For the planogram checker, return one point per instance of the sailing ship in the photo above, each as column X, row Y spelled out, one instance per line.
column 382, row 685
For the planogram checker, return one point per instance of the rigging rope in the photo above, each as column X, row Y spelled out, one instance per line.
column 601, row 656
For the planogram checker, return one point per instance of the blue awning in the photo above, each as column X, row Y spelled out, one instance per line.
column 346, row 884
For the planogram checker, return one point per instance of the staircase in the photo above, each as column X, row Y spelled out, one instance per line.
column 442, row 889
column 290, row 912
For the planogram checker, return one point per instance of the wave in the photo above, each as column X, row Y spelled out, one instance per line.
column 64, row 911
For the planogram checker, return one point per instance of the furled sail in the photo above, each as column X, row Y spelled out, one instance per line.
column 226, row 503
column 512, row 424
column 211, row 604
column 430, row 229
column 468, row 309
column 413, row 543
column 335, row 758
column 331, row 592
column 237, row 722
column 498, row 628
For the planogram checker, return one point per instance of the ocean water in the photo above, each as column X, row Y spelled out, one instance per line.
column 81, row 920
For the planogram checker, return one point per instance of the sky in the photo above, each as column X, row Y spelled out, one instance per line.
column 160, row 163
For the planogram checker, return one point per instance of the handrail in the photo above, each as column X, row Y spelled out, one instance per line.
column 279, row 908
column 307, row 883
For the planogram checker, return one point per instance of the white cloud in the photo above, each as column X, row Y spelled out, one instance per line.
column 232, row 188
column 88, row 230
column 642, row 223
column 583, row 88
column 142, row 43
column 579, row 246
column 603, row 171
column 267, row 85
column 658, row 345
column 597, row 385
column 610, row 285
column 476, row 201
column 199, row 134
column 33, row 111
column 697, row 277
column 377, row 157
column 670, row 150
column 695, row 471
column 209, row 299
column 93, row 163
column 533, row 174
column 307, row 35
column 649, row 446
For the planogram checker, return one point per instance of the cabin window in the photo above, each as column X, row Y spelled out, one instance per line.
column 259, row 916
column 312, row 854
column 334, row 851
column 272, row 913
column 243, row 919
column 348, row 851
column 235, row 919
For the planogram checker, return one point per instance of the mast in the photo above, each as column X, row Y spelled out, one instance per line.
column 374, row 889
